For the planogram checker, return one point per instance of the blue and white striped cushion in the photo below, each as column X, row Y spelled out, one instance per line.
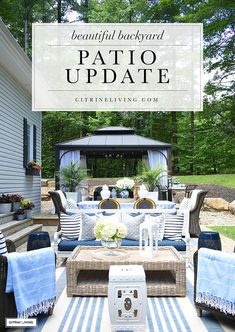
column 173, row 227
column 3, row 247
column 70, row 226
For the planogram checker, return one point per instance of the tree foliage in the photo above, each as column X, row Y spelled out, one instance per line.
column 202, row 142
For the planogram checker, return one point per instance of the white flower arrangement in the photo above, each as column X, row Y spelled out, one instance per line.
column 125, row 183
column 109, row 230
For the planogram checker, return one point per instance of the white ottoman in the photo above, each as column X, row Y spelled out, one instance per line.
column 127, row 297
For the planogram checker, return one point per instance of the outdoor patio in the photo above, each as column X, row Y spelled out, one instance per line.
column 163, row 314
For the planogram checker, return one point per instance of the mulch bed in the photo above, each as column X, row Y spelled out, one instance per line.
column 216, row 191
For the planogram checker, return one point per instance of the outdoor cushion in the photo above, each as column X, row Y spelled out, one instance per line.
column 70, row 245
column 63, row 198
column 193, row 198
column 87, row 229
column 114, row 217
column 3, row 247
column 133, row 225
column 168, row 211
column 173, row 227
column 179, row 245
column 185, row 204
column 71, row 204
column 70, row 226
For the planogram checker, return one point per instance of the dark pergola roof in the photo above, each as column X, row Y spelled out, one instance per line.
column 114, row 137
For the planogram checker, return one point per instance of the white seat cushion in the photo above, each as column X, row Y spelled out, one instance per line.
column 193, row 198
column 185, row 204
column 71, row 204
column 63, row 198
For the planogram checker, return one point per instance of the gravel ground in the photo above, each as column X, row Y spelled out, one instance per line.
column 218, row 191
column 217, row 218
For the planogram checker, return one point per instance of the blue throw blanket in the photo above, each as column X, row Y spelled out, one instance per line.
column 31, row 276
column 216, row 280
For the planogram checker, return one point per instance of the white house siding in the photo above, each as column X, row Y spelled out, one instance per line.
column 15, row 104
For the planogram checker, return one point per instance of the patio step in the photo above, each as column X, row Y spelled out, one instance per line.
column 21, row 236
column 46, row 220
column 14, row 226
column 4, row 218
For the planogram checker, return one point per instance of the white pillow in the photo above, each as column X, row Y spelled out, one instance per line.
column 71, row 204
column 3, row 247
column 185, row 204
column 87, row 227
column 133, row 225
column 116, row 217
column 63, row 198
column 193, row 198
column 161, row 224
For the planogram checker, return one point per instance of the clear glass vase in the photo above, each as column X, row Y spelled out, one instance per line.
column 111, row 245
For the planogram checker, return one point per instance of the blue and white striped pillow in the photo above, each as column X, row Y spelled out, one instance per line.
column 3, row 247
column 173, row 226
column 70, row 226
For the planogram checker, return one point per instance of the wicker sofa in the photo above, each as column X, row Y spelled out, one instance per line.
column 63, row 248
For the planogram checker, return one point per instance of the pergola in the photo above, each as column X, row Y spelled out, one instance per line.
column 114, row 142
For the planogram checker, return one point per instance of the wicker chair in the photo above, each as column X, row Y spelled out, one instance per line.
column 202, row 306
column 188, row 190
column 194, row 227
column 109, row 204
column 144, row 203
column 57, row 202
column 7, row 303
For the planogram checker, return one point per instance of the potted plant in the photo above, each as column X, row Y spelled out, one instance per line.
column 16, row 199
column 20, row 214
column 27, row 206
column 5, row 203
column 71, row 177
column 33, row 168
column 151, row 179
column 124, row 187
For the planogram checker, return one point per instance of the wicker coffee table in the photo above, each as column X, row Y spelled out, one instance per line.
column 88, row 276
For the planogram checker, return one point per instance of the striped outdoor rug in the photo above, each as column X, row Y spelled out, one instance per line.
column 90, row 314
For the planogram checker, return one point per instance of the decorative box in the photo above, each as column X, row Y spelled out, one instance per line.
column 127, row 297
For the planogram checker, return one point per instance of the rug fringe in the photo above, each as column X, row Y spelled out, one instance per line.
column 34, row 310
column 216, row 302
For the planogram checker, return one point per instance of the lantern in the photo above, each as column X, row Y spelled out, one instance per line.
column 149, row 237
